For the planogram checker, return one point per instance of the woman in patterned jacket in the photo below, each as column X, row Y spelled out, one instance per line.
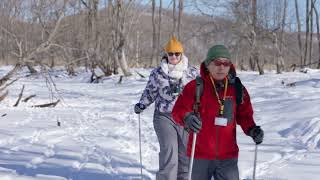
column 164, row 85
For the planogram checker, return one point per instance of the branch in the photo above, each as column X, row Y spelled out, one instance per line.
column 141, row 75
column 18, row 42
column 120, row 80
column 85, row 4
column 9, row 74
column 28, row 98
column 20, row 96
column 47, row 44
column 7, row 85
column 4, row 95
column 48, row 104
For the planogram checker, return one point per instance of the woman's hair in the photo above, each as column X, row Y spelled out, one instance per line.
column 165, row 56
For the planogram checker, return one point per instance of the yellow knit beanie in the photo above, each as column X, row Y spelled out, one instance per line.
column 173, row 46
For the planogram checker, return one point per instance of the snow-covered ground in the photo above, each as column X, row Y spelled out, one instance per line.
column 99, row 133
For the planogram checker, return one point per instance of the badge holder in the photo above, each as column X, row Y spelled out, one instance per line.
column 220, row 120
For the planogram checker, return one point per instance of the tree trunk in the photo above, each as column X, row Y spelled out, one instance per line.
column 30, row 68
column 252, row 63
column 299, row 32
column 93, row 32
column 311, row 34
column 254, row 46
column 318, row 32
column 112, row 66
column 179, row 18
column 120, row 39
column 123, row 62
column 278, row 54
column 242, row 67
column 259, row 65
column 279, row 49
column 159, row 28
column 137, row 49
column 154, row 33
column 174, row 18
column 306, row 48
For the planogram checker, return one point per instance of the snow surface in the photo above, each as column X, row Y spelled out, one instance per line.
column 99, row 138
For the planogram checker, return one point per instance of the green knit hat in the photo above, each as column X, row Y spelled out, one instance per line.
column 217, row 51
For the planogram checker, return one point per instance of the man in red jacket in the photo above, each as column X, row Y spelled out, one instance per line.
column 216, row 150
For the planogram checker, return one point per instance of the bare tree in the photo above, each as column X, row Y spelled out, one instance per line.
column 4, row 82
column 113, row 36
column 92, row 35
column 174, row 18
column 306, row 46
column 180, row 18
column 318, row 31
column 299, row 32
column 26, row 55
column 311, row 32
column 154, row 33
column 112, row 21
column 253, row 40
column 279, row 48
column 159, row 27
column 93, row 55
column 119, row 39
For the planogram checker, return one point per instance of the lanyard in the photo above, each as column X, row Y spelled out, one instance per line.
column 218, row 97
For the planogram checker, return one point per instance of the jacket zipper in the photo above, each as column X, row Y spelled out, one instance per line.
column 217, row 139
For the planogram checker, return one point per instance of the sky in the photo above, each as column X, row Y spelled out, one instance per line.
column 190, row 7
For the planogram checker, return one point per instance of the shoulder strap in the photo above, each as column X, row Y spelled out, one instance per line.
column 199, row 91
column 239, row 91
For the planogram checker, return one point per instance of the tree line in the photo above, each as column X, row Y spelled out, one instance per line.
column 115, row 35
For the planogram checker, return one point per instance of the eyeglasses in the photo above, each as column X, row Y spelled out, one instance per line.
column 174, row 53
column 224, row 63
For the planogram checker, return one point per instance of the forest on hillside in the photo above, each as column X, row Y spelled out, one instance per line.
column 115, row 35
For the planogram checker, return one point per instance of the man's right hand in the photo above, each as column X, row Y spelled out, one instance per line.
column 257, row 134
column 193, row 122
column 138, row 108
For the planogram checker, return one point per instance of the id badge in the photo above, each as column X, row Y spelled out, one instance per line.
column 221, row 121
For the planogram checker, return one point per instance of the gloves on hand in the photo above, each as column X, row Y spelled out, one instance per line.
column 193, row 122
column 257, row 134
column 138, row 108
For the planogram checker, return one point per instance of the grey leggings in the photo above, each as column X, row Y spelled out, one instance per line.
column 173, row 162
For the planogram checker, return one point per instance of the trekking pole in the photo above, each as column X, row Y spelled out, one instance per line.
column 192, row 154
column 199, row 90
column 140, row 148
column 255, row 162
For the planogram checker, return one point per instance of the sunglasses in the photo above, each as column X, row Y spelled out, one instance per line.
column 224, row 63
column 172, row 53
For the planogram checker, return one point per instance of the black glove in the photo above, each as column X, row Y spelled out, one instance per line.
column 193, row 122
column 257, row 134
column 138, row 108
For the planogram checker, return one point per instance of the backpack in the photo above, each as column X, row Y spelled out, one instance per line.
column 199, row 90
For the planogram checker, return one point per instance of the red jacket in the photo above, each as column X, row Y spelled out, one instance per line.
column 214, row 142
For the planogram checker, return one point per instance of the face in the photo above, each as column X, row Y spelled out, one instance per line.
column 174, row 57
column 219, row 68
